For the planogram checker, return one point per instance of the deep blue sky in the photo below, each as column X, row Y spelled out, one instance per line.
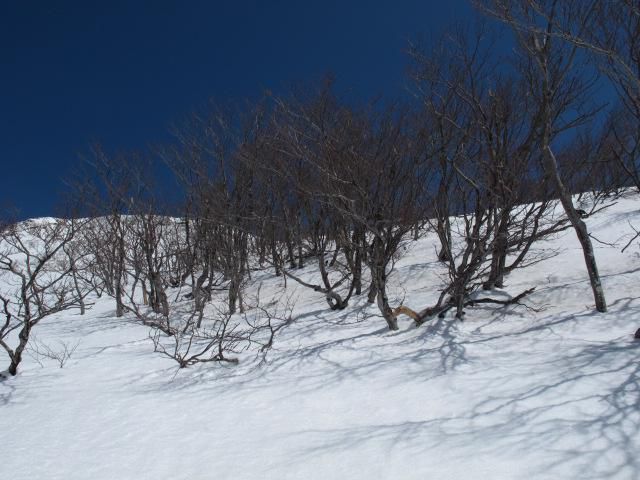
column 122, row 72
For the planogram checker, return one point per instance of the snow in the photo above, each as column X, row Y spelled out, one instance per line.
column 507, row 394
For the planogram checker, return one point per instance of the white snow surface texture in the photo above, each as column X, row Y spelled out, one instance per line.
column 509, row 393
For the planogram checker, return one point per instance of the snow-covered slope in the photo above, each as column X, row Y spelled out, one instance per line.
column 508, row 393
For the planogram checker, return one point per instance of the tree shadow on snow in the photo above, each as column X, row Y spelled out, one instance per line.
column 579, row 408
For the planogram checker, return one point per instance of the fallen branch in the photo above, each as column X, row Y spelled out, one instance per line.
column 512, row 301
column 441, row 310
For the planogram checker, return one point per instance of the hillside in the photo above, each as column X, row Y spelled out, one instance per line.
column 549, row 390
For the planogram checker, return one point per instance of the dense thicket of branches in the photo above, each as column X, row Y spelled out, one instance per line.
column 486, row 154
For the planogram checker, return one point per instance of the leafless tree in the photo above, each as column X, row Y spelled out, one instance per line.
column 36, row 283
column 267, row 319
column 112, row 185
column 366, row 167
column 559, row 83
column 61, row 354
column 212, row 343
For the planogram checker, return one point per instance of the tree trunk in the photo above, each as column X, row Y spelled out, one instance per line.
column 357, row 272
column 275, row 257
column 580, row 229
column 373, row 290
column 444, row 234
column 499, row 253
column 292, row 257
column 119, row 273
column 379, row 278
column 198, row 295
column 119, row 303
column 76, row 285
column 233, row 295
column 300, row 256
column 23, row 338
column 145, row 294
column 383, row 301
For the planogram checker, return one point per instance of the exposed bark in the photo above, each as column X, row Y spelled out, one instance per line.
column 581, row 232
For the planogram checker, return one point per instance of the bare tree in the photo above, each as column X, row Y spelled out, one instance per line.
column 112, row 186
column 492, row 202
column 36, row 284
column 559, row 83
column 61, row 354
column 365, row 166
column 189, row 346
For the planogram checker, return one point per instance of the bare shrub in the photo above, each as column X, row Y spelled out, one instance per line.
column 61, row 353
